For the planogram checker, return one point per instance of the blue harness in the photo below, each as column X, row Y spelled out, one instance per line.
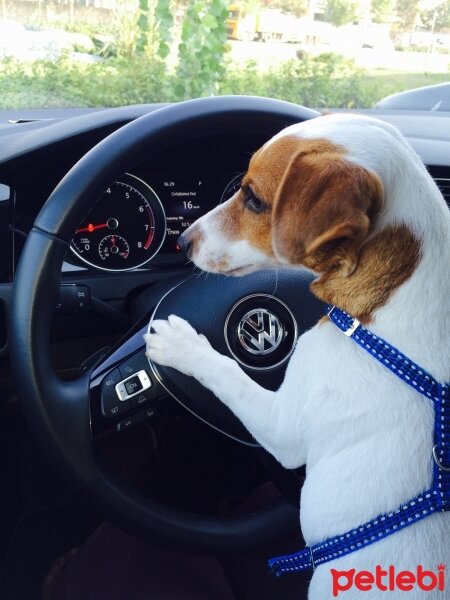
column 435, row 499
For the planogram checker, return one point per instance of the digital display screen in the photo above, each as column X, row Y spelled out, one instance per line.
column 185, row 199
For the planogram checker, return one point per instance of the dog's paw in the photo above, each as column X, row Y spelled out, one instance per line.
column 176, row 344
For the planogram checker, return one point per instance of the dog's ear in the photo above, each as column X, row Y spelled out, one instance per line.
column 323, row 211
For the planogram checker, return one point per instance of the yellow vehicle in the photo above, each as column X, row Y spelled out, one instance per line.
column 265, row 25
column 234, row 16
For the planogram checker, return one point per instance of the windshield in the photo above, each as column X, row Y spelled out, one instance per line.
column 319, row 53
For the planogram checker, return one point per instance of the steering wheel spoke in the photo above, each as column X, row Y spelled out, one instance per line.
column 124, row 391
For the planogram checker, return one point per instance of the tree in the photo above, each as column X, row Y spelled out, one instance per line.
column 298, row 8
column 441, row 19
column 202, row 49
column 407, row 12
column 127, row 30
column 340, row 12
column 249, row 6
column 381, row 10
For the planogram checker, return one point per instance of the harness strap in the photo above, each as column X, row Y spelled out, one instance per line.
column 382, row 526
column 390, row 357
column 436, row 499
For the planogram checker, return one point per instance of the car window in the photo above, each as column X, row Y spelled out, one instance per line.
column 320, row 53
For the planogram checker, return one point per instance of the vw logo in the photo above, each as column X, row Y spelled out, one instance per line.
column 260, row 332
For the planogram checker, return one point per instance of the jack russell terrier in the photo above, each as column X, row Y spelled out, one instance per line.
column 346, row 197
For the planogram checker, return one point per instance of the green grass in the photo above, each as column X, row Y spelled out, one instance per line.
column 398, row 82
column 324, row 81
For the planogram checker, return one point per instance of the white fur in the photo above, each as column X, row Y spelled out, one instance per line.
column 216, row 247
column 364, row 435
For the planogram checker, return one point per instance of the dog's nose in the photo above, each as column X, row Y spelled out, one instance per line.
column 185, row 242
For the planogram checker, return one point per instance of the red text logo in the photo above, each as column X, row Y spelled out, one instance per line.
column 388, row 580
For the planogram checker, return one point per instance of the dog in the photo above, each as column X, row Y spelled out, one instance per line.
column 347, row 198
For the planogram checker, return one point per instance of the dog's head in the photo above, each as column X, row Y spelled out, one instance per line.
column 301, row 202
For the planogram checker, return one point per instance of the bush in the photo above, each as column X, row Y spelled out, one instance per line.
column 327, row 80
column 64, row 83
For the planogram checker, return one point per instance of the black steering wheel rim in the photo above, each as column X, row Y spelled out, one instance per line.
column 58, row 412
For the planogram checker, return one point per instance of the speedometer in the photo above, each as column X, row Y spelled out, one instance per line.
column 125, row 228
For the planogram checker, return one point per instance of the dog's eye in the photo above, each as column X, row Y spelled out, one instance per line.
column 253, row 203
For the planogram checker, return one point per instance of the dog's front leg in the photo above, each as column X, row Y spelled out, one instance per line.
column 176, row 344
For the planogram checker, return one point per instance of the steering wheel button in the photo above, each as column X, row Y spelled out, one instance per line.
column 110, row 380
column 121, row 392
column 140, row 399
column 127, row 370
column 125, row 424
column 132, row 421
column 110, row 404
column 112, row 407
column 133, row 385
column 135, row 363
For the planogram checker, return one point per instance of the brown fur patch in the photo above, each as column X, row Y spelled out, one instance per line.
column 222, row 265
column 264, row 176
column 324, row 210
column 385, row 263
column 270, row 163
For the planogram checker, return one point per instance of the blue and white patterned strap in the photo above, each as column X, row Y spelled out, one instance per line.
column 382, row 526
column 410, row 372
column 433, row 500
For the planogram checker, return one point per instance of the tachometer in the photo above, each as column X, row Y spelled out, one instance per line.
column 125, row 228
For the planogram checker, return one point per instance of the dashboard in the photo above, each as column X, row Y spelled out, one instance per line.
column 129, row 238
column 135, row 223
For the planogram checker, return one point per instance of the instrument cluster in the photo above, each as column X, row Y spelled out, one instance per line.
column 139, row 217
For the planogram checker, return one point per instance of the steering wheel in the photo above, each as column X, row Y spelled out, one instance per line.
column 66, row 416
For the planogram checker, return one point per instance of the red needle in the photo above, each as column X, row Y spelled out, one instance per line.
column 92, row 227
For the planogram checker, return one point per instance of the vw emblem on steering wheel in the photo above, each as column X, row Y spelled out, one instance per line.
column 260, row 332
